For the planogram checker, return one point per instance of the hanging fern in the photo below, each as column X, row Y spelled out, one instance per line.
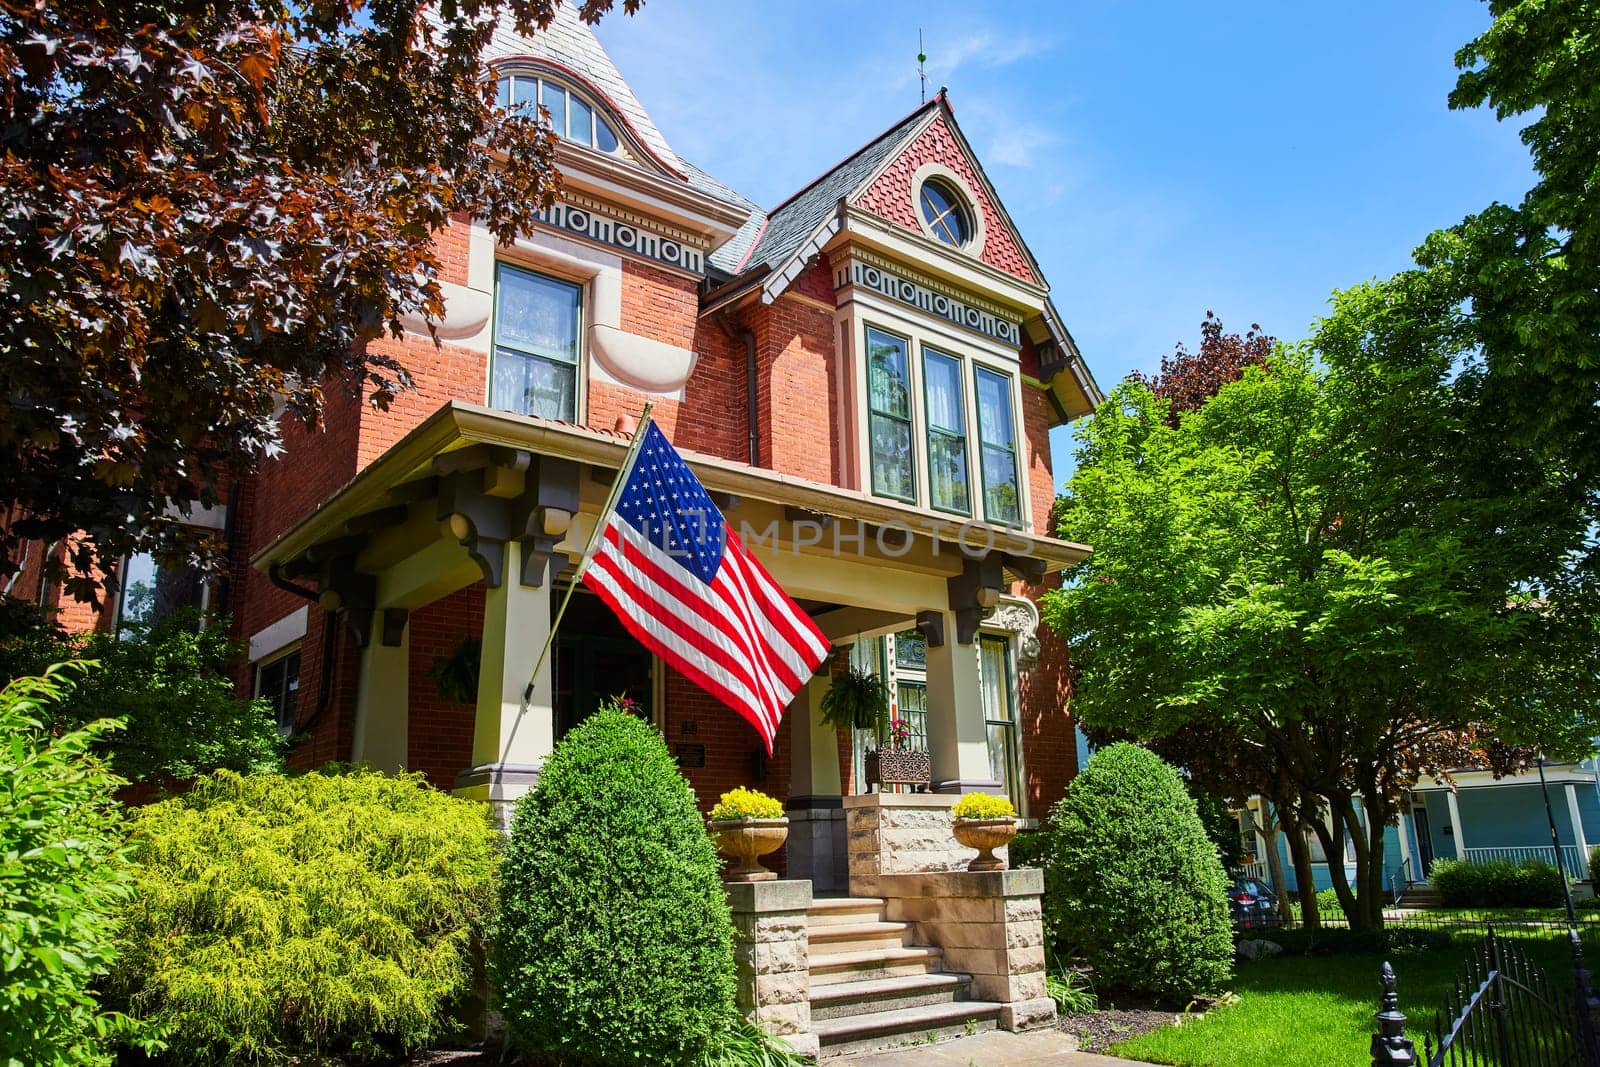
column 859, row 700
column 456, row 676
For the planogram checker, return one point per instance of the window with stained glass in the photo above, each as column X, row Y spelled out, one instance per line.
column 536, row 330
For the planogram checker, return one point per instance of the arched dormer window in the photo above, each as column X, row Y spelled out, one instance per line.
column 573, row 116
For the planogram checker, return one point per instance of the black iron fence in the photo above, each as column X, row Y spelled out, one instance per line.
column 1503, row 1010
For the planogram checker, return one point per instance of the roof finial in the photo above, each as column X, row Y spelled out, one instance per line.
column 922, row 58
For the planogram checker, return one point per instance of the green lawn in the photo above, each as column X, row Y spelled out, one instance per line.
column 1317, row 1011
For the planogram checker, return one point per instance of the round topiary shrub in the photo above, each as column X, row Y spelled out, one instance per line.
column 615, row 943
column 1134, row 886
column 324, row 914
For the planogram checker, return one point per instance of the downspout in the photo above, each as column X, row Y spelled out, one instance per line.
column 751, row 397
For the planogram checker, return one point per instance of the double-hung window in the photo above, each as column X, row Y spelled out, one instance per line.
column 537, row 324
column 889, row 416
column 947, row 433
column 278, row 683
column 997, row 441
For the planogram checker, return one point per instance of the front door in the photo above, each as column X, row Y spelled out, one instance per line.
column 597, row 660
column 1419, row 816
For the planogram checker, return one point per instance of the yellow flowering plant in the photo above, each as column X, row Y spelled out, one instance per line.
column 983, row 806
column 745, row 803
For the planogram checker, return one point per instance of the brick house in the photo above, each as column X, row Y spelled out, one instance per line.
column 864, row 377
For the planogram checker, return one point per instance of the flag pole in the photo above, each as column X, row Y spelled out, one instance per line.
column 623, row 471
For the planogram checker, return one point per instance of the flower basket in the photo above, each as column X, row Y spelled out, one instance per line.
column 897, row 767
column 746, row 840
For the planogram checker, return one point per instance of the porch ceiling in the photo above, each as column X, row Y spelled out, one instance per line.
column 413, row 469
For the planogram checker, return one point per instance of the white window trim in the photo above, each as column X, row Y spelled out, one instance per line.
column 268, row 641
column 580, row 366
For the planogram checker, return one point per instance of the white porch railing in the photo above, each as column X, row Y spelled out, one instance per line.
column 1256, row 870
column 1574, row 861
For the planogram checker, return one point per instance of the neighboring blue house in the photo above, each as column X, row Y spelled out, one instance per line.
column 1482, row 819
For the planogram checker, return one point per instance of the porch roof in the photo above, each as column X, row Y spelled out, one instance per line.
column 425, row 453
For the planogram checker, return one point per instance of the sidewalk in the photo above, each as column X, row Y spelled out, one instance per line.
column 998, row 1048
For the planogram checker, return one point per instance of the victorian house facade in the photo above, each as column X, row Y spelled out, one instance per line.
column 864, row 377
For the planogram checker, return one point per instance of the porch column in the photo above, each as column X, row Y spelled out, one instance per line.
column 1408, row 869
column 382, row 695
column 511, row 739
column 1577, row 833
column 1455, row 823
column 958, row 739
column 816, row 847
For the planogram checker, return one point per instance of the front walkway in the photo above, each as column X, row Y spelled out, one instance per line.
column 998, row 1048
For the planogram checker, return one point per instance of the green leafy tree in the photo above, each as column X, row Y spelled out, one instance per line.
column 170, row 686
column 1335, row 575
column 1530, row 271
column 615, row 942
column 63, row 873
column 208, row 210
column 1134, row 885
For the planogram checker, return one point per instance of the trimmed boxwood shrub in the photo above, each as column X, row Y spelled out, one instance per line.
column 1498, row 884
column 1134, row 885
column 62, row 874
column 329, row 913
column 615, row 941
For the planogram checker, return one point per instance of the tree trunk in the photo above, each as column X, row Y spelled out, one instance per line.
column 1280, row 885
column 1375, row 892
column 1306, row 883
column 1332, row 840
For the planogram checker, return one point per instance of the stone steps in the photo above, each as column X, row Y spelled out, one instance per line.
column 887, row 962
column 873, row 988
column 888, row 994
column 904, row 1027
column 858, row 936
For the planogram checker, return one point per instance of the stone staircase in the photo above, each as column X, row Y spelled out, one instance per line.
column 1419, row 895
column 872, row 987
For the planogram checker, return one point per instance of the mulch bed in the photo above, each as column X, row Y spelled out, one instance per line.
column 1097, row 1031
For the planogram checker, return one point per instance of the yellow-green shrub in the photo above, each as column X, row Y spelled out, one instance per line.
column 319, row 914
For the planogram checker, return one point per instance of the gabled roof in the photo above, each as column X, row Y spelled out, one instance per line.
column 794, row 220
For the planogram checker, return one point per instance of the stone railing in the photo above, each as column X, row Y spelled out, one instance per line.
column 901, row 833
column 990, row 925
column 772, row 958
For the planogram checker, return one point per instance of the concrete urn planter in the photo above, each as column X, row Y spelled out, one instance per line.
column 985, row 835
column 747, row 840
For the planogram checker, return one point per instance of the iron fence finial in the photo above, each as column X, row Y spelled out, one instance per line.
column 1390, row 1045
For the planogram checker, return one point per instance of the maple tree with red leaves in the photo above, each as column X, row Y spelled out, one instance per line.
column 1188, row 379
column 206, row 209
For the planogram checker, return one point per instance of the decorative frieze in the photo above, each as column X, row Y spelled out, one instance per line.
column 587, row 222
column 966, row 313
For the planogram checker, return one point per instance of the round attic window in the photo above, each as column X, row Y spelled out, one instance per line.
column 945, row 212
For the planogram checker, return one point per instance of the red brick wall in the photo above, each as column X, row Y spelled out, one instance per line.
column 890, row 196
column 797, row 376
column 1049, row 744
column 439, row 730
column 1036, row 456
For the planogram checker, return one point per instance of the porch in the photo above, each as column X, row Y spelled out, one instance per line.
column 1486, row 819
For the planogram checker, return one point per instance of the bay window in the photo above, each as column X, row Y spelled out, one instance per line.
column 889, row 416
column 947, row 433
column 997, row 441
column 537, row 325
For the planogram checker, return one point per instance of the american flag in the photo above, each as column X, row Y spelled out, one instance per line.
column 682, row 583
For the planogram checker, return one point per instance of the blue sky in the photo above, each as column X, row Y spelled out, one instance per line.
column 1161, row 159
